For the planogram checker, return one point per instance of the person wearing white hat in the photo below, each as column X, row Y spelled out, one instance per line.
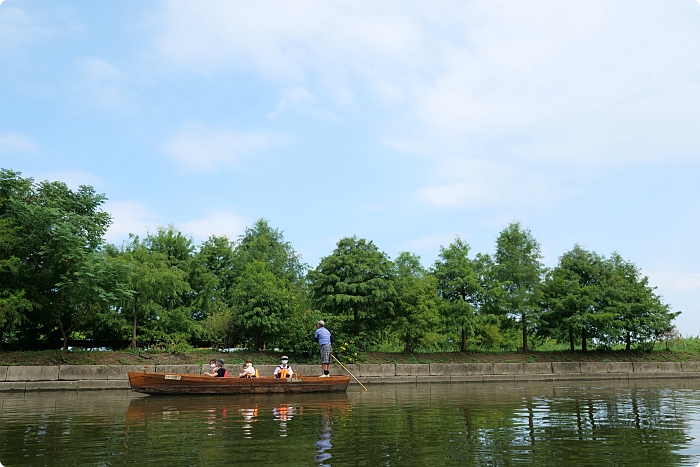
column 284, row 370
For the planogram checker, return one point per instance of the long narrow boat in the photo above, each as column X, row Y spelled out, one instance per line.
column 165, row 383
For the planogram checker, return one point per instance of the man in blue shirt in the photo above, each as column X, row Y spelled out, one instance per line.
column 323, row 337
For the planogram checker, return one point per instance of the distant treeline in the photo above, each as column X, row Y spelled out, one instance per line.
column 60, row 281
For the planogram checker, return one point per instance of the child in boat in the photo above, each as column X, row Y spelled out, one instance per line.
column 249, row 370
column 284, row 370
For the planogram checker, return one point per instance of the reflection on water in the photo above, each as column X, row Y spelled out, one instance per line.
column 323, row 445
column 654, row 423
column 283, row 414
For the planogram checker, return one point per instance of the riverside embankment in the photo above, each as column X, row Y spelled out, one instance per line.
column 95, row 377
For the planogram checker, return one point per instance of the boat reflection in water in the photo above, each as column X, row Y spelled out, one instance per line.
column 245, row 421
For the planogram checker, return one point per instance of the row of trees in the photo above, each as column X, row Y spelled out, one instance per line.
column 60, row 280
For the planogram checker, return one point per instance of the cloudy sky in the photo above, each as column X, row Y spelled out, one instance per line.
column 406, row 123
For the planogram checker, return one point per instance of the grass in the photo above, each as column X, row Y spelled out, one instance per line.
column 679, row 350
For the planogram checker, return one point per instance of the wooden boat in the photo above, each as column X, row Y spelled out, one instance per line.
column 164, row 383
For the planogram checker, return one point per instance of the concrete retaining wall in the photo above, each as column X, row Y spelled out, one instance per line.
column 92, row 377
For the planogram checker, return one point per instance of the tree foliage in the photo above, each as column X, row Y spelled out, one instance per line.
column 467, row 288
column 59, row 279
column 519, row 272
column 416, row 307
column 355, row 282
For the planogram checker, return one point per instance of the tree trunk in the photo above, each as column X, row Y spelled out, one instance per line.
column 357, row 322
column 408, row 342
column 2, row 334
column 64, row 334
column 133, row 328
column 464, row 339
column 584, row 338
column 628, row 341
column 524, row 335
column 571, row 339
column 257, row 340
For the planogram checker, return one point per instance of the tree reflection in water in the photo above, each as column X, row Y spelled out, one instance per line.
column 573, row 424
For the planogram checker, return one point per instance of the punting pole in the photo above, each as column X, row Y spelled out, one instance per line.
column 353, row 376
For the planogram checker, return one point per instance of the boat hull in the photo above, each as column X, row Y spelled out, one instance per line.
column 164, row 383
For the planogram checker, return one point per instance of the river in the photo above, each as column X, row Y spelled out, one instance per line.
column 573, row 424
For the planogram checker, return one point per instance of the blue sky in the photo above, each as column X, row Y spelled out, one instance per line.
column 406, row 123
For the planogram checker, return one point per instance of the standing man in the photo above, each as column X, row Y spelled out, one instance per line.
column 323, row 337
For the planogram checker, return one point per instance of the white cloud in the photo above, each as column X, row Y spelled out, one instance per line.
column 13, row 141
column 103, row 85
column 285, row 41
column 483, row 183
column 72, row 177
column 129, row 218
column 674, row 280
column 200, row 148
column 300, row 99
column 218, row 223
column 562, row 82
column 25, row 25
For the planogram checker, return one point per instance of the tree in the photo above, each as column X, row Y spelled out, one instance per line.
column 263, row 243
column 93, row 285
column 261, row 302
column 153, row 281
column 212, row 281
column 461, row 287
column 48, row 230
column 355, row 282
column 13, row 303
column 519, row 271
column 573, row 294
column 415, row 309
column 638, row 311
column 262, row 254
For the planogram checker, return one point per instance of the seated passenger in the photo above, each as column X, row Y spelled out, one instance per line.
column 217, row 369
column 249, row 370
column 284, row 370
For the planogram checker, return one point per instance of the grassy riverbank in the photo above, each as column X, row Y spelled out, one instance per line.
column 682, row 350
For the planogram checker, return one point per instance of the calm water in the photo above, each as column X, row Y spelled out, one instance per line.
column 570, row 424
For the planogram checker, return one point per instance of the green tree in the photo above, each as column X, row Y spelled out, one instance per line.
column 262, row 253
column 355, row 282
column 639, row 313
column 519, row 271
column 154, row 282
column 573, row 292
column 459, row 288
column 13, row 303
column 213, row 281
column 47, row 230
column 94, row 284
column 264, row 243
column 415, row 309
column 261, row 302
